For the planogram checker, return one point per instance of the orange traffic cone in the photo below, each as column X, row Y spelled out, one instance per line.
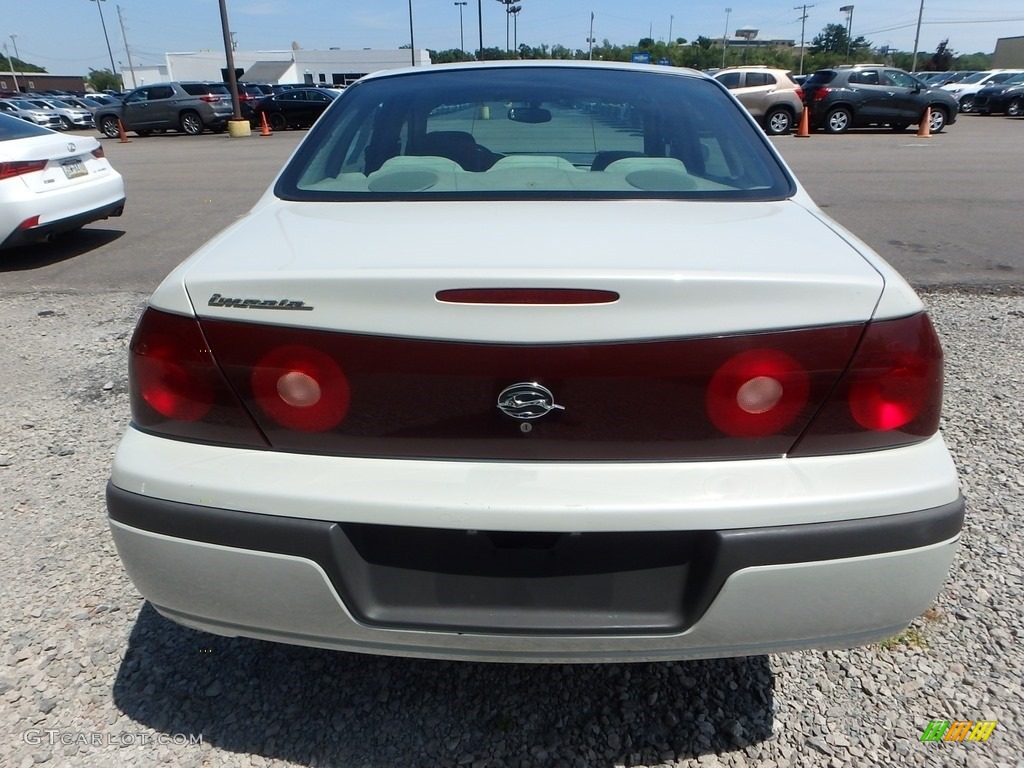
column 264, row 128
column 924, row 131
column 120, row 132
column 804, row 129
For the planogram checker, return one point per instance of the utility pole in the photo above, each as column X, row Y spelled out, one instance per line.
column 590, row 40
column 803, row 27
column 671, row 19
column 127, row 50
column 917, row 36
column 14, row 42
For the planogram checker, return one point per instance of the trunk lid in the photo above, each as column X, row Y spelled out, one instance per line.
column 680, row 269
column 719, row 331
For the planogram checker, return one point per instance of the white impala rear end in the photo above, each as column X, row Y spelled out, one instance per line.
column 561, row 401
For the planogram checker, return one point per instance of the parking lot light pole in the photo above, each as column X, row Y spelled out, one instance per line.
column 462, row 37
column 103, row 23
column 412, row 38
column 848, row 10
column 229, row 54
column 480, row 20
column 725, row 35
column 10, row 62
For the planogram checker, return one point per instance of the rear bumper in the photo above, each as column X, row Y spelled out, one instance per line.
column 48, row 229
column 572, row 597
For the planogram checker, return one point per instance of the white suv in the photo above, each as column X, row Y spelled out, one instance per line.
column 771, row 96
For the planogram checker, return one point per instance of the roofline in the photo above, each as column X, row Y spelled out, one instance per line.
column 538, row 64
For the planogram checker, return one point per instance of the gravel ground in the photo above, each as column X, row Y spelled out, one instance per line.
column 92, row 676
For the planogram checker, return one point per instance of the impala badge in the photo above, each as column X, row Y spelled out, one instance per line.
column 527, row 400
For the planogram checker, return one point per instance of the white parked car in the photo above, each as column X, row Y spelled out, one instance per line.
column 52, row 184
column 964, row 90
column 70, row 116
column 492, row 372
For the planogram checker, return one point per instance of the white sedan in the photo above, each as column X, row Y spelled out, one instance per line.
column 51, row 184
column 493, row 372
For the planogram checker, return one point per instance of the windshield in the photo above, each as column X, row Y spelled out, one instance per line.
column 534, row 132
column 976, row 77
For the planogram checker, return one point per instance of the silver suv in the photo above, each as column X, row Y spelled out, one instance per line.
column 771, row 96
column 187, row 107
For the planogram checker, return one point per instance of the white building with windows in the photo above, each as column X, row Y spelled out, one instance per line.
column 331, row 67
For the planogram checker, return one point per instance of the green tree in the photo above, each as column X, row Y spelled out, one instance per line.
column 974, row 61
column 492, row 54
column 833, row 39
column 103, row 80
column 18, row 65
column 942, row 59
column 449, row 56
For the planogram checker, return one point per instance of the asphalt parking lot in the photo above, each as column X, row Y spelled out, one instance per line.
column 90, row 675
column 944, row 210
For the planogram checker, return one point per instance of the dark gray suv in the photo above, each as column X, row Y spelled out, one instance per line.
column 840, row 98
column 187, row 107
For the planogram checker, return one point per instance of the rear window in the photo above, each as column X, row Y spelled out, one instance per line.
column 531, row 132
column 821, row 77
column 16, row 128
column 202, row 89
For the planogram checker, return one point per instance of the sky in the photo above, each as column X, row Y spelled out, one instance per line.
column 66, row 37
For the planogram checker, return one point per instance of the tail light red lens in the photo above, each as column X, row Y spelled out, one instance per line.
column 20, row 168
column 820, row 92
column 98, row 152
column 804, row 392
column 757, row 393
column 176, row 386
column 890, row 395
column 301, row 388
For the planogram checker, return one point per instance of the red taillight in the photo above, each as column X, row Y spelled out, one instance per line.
column 890, row 395
column 756, row 393
column 301, row 388
column 820, row 92
column 177, row 387
column 98, row 152
column 29, row 223
column 14, row 168
column 209, row 98
column 800, row 94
